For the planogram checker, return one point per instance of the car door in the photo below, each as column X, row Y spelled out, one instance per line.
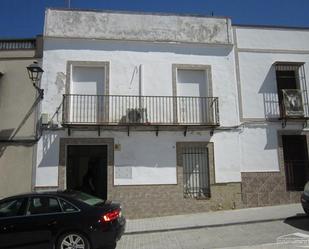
column 12, row 214
column 44, row 214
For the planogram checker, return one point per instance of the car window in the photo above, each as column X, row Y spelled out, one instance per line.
column 12, row 208
column 43, row 205
column 67, row 207
column 86, row 198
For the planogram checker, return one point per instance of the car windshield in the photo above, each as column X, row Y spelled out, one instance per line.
column 86, row 198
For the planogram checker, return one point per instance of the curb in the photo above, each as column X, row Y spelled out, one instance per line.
column 203, row 226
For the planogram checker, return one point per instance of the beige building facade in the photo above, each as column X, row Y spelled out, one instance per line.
column 19, row 105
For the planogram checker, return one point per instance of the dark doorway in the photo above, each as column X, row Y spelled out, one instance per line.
column 87, row 169
column 295, row 161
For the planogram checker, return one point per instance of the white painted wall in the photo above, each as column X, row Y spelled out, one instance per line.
column 260, row 48
column 144, row 158
column 48, row 159
column 259, row 148
column 272, row 38
column 257, row 73
column 147, row 158
column 157, row 60
column 258, row 82
column 252, row 148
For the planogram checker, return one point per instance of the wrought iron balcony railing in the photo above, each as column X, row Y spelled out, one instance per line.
column 139, row 110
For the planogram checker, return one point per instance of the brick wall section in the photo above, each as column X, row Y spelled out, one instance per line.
column 264, row 189
column 161, row 200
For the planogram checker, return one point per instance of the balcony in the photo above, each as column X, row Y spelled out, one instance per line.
column 139, row 111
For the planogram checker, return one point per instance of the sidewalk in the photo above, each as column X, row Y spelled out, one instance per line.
column 212, row 219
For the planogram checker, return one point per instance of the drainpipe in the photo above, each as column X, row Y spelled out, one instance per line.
column 140, row 86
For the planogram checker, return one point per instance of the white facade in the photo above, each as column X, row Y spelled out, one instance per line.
column 157, row 81
column 237, row 66
column 258, row 50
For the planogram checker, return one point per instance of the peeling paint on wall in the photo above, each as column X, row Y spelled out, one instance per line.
column 60, row 81
column 137, row 26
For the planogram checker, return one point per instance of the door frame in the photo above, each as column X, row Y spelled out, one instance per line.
column 281, row 169
column 63, row 152
column 76, row 149
column 175, row 67
column 91, row 64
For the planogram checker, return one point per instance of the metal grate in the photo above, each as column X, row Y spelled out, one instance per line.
column 296, row 174
column 293, row 72
column 17, row 44
column 196, row 172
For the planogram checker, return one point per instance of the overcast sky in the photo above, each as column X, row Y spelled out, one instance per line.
column 25, row 18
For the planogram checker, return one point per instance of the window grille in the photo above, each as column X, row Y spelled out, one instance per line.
column 292, row 72
column 196, row 172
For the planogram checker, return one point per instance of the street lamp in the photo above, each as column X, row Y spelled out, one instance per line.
column 35, row 74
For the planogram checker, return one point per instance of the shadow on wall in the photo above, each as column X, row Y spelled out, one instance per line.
column 189, row 49
column 270, row 95
column 5, row 135
column 50, row 150
column 272, row 138
column 10, row 134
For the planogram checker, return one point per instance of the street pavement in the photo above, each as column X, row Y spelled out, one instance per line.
column 268, row 227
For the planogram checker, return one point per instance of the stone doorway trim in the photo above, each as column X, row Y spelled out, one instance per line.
column 64, row 142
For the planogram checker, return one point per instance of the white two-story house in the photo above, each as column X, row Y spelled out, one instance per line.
column 171, row 114
column 272, row 78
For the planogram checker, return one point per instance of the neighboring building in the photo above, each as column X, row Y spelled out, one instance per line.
column 169, row 114
column 18, row 110
column 273, row 66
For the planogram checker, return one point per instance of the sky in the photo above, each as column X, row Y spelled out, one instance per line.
column 25, row 18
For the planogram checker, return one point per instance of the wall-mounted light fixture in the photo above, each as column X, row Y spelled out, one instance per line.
column 35, row 73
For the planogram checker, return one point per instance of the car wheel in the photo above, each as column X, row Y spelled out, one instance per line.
column 306, row 211
column 73, row 241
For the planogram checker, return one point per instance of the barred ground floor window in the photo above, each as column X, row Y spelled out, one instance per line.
column 194, row 158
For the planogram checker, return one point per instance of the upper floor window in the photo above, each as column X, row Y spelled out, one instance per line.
column 291, row 89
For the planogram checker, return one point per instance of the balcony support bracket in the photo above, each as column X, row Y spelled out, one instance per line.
column 185, row 131
column 157, row 131
column 128, row 130
column 69, row 131
column 212, row 131
column 99, row 131
column 283, row 123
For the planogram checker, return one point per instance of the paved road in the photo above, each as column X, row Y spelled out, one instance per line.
column 257, row 235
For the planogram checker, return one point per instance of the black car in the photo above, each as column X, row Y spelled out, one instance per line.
column 60, row 220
